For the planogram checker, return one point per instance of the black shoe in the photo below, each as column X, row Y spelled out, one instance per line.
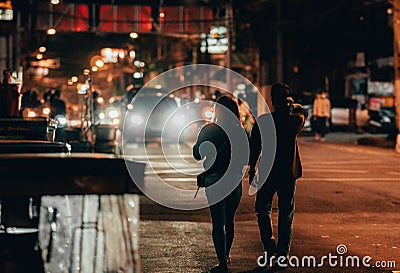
column 220, row 269
column 277, row 267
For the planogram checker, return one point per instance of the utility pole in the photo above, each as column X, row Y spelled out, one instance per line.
column 229, row 22
column 279, row 43
column 396, row 47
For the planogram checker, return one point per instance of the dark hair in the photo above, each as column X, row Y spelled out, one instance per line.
column 229, row 103
column 280, row 91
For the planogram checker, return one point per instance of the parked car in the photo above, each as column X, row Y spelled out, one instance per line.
column 341, row 111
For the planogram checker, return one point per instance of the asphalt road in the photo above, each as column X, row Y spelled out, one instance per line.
column 349, row 195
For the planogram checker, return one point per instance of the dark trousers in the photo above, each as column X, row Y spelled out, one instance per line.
column 263, row 207
column 222, row 217
column 320, row 126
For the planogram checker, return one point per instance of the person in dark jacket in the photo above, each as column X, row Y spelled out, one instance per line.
column 217, row 143
column 288, row 119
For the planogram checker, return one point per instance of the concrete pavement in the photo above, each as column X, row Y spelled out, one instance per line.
column 348, row 196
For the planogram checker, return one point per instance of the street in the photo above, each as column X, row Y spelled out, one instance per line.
column 348, row 195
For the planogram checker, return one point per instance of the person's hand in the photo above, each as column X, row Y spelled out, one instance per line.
column 252, row 174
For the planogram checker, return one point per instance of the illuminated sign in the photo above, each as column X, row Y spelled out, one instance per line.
column 47, row 63
column 111, row 55
column 6, row 11
column 215, row 42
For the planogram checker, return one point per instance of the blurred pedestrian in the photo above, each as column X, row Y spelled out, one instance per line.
column 246, row 117
column 57, row 105
column 289, row 119
column 321, row 114
column 222, row 211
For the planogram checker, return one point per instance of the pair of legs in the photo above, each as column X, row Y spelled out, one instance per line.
column 285, row 190
column 320, row 127
column 222, row 217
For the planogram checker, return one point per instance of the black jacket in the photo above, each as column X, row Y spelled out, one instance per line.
column 286, row 164
column 222, row 145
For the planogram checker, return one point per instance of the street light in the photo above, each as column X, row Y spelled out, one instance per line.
column 86, row 71
column 54, row 2
column 74, row 78
column 51, row 31
column 42, row 49
column 95, row 68
column 134, row 35
column 39, row 56
column 99, row 63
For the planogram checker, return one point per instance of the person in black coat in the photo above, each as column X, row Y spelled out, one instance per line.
column 221, row 145
column 278, row 173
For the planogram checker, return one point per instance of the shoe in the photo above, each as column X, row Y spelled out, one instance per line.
column 276, row 267
column 220, row 269
column 322, row 139
column 317, row 137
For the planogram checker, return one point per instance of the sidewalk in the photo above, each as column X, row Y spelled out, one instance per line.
column 352, row 138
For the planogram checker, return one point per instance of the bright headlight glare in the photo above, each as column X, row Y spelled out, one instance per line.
column 113, row 113
column 61, row 120
column 46, row 111
column 116, row 121
column 31, row 114
column 102, row 116
column 136, row 120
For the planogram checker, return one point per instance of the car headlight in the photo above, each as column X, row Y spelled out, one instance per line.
column 113, row 113
column 116, row 121
column 136, row 120
column 61, row 121
column 31, row 114
column 46, row 111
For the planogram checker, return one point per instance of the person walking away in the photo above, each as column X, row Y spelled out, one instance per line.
column 222, row 208
column 321, row 114
column 289, row 119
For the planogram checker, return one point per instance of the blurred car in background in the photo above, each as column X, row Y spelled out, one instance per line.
column 151, row 116
column 155, row 115
column 341, row 111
